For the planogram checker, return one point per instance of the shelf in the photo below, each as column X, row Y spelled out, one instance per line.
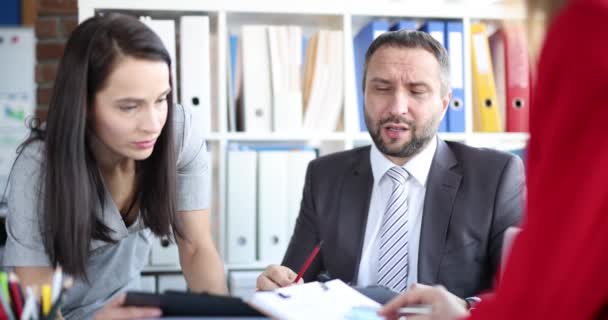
column 503, row 136
column 174, row 269
column 476, row 136
column 500, row 141
column 161, row 269
column 503, row 140
column 349, row 16
column 275, row 136
column 247, row 266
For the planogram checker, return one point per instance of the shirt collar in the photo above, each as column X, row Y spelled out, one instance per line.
column 418, row 166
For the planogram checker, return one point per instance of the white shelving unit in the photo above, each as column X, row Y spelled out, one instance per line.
column 345, row 15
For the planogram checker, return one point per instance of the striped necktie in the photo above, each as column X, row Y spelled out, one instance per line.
column 393, row 266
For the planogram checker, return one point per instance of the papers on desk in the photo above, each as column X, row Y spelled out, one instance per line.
column 314, row 300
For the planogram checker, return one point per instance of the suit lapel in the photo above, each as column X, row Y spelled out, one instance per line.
column 442, row 185
column 354, row 207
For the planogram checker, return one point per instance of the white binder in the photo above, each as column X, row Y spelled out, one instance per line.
column 326, row 97
column 285, row 50
column 257, row 92
column 172, row 282
column 241, row 206
column 163, row 252
column 295, row 114
column 195, row 66
column 334, row 99
column 272, row 205
column 165, row 30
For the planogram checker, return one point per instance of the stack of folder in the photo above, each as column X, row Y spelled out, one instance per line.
column 501, row 78
column 282, row 82
column 324, row 81
column 512, row 74
column 264, row 190
column 265, row 85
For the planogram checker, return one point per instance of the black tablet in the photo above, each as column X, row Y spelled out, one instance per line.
column 175, row 303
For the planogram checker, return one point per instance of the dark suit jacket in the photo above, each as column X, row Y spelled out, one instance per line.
column 473, row 195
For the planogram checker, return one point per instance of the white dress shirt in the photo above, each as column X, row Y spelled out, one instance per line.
column 418, row 167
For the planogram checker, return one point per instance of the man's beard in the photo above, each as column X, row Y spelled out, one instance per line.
column 419, row 136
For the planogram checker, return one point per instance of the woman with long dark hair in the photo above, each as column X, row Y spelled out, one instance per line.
column 115, row 162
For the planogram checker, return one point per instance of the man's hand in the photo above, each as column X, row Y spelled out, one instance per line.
column 115, row 310
column 445, row 305
column 276, row 276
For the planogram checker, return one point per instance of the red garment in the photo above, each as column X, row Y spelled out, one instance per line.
column 558, row 268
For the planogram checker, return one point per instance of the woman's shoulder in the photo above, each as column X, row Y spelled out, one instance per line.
column 30, row 155
column 24, row 179
column 189, row 133
column 181, row 118
column 186, row 121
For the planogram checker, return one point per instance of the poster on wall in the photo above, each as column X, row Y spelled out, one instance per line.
column 17, row 95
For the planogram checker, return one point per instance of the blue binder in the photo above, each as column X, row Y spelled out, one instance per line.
column 10, row 12
column 404, row 24
column 360, row 45
column 455, row 46
column 234, row 43
column 437, row 29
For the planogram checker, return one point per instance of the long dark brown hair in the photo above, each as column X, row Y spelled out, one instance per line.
column 72, row 185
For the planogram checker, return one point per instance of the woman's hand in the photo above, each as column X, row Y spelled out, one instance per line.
column 444, row 305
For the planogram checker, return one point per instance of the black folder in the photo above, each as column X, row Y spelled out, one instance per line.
column 179, row 303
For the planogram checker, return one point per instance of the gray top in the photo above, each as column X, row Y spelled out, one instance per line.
column 112, row 268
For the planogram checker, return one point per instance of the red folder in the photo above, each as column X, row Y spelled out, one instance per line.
column 518, row 79
column 512, row 39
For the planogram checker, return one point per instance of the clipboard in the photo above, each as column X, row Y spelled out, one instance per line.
column 313, row 300
column 179, row 303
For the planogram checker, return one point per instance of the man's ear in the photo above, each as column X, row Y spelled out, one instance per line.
column 445, row 101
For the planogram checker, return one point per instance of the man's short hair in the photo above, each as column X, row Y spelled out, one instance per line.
column 412, row 39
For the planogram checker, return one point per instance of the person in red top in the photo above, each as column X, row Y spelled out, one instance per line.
column 558, row 266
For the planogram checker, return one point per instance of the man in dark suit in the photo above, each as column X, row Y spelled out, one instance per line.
column 412, row 207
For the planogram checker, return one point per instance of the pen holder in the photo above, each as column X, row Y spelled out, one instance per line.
column 18, row 302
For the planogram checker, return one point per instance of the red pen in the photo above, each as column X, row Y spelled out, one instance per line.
column 15, row 292
column 308, row 261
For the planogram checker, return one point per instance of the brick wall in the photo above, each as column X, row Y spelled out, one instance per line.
column 56, row 20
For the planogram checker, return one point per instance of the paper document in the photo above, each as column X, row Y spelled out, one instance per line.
column 314, row 300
